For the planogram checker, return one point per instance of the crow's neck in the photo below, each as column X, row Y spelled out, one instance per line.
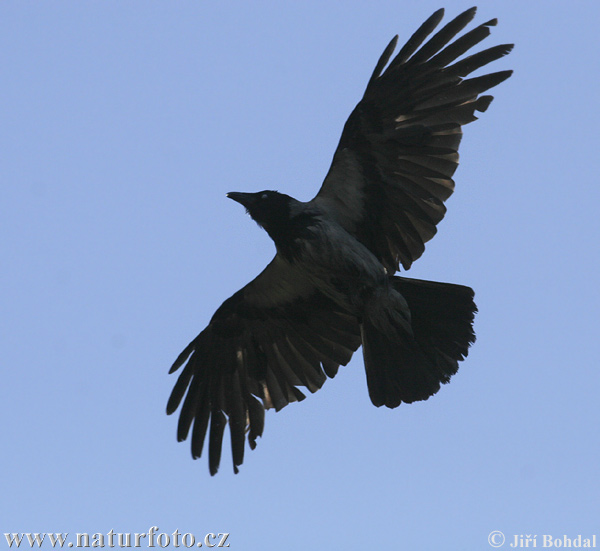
column 287, row 233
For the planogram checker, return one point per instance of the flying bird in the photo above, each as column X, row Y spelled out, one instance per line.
column 331, row 286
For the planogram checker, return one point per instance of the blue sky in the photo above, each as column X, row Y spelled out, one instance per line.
column 123, row 125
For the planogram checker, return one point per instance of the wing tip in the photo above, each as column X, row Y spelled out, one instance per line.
column 437, row 15
column 471, row 11
column 181, row 359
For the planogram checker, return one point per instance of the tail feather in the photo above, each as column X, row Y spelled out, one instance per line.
column 407, row 364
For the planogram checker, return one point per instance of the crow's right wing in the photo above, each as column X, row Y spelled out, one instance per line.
column 275, row 334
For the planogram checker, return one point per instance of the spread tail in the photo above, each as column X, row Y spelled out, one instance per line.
column 414, row 335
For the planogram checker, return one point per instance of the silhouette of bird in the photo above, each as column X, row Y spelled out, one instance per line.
column 331, row 286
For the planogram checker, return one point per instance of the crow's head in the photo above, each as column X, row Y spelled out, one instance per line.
column 270, row 209
column 284, row 219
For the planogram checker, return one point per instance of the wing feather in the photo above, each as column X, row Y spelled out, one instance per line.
column 393, row 168
column 272, row 336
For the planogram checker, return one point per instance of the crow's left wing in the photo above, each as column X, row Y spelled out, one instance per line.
column 392, row 170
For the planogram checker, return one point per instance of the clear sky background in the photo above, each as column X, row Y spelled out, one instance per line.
column 122, row 126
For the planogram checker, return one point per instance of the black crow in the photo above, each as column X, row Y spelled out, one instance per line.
column 330, row 287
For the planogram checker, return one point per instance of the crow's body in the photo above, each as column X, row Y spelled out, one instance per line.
column 331, row 286
column 326, row 255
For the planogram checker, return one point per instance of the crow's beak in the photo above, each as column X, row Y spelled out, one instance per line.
column 244, row 199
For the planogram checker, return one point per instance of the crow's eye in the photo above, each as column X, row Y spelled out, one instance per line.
column 264, row 195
